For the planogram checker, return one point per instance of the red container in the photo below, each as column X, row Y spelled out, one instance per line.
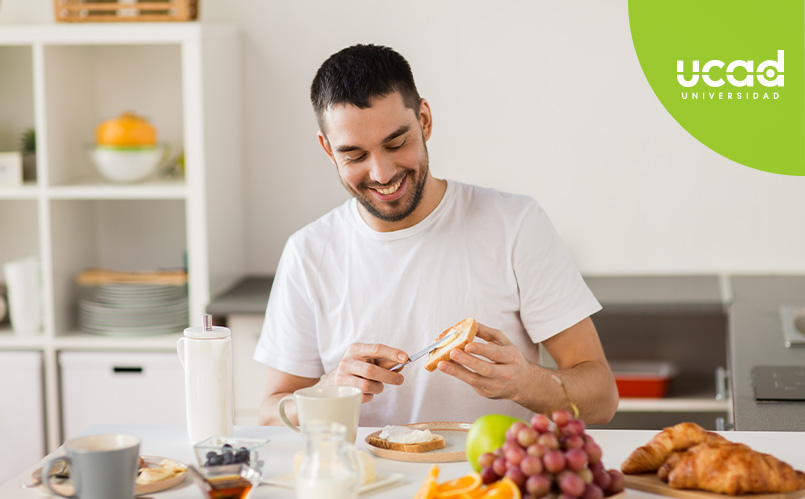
column 644, row 379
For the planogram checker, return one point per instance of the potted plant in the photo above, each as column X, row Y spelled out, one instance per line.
column 28, row 148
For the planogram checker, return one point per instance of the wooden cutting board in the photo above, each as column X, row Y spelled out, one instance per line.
column 648, row 482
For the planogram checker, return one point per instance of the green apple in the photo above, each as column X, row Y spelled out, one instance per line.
column 488, row 433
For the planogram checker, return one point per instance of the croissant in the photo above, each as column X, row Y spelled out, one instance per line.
column 668, row 465
column 733, row 469
column 676, row 457
column 675, row 438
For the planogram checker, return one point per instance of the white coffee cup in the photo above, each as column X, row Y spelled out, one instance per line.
column 101, row 466
column 339, row 404
column 23, row 280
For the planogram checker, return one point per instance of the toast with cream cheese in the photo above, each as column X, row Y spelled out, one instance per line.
column 406, row 439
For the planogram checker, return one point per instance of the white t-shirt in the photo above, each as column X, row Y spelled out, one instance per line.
column 481, row 253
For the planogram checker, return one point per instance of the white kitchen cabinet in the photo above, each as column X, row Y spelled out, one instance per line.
column 22, row 424
column 64, row 80
column 120, row 388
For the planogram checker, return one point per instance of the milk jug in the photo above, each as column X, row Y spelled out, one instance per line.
column 330, row 467
column 206, row 356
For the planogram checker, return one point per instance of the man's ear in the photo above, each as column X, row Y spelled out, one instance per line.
column 325, row 144
column 425, row 118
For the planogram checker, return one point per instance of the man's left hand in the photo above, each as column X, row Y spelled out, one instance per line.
column 494, row 375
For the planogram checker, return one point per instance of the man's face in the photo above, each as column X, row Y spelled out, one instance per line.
column 380, row 154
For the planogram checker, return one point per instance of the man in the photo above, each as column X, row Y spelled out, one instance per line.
column 409, row 256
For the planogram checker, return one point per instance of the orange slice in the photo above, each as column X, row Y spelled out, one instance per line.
column 453, row 489
column 502, row 489
column 475, row 494
column 429, row 488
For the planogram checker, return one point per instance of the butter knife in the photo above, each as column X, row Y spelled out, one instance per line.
column 428, row 349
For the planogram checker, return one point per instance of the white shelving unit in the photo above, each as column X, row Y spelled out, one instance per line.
column 63, row 80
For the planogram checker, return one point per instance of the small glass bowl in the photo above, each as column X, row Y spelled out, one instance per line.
column 231, row 480
column 222, row 451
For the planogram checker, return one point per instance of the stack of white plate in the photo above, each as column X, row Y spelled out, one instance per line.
column 133, row 309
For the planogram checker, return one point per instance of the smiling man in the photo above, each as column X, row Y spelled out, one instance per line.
column 410, row 255
column 386, row 172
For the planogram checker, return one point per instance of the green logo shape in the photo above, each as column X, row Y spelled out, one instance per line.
column 731, row 73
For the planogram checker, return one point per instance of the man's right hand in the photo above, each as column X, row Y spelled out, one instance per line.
column 366, row 366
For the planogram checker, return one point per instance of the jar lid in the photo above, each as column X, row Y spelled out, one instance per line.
column 207, row 331
column 215, row 332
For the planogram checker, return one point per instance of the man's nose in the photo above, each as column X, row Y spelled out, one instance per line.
column 381, row 169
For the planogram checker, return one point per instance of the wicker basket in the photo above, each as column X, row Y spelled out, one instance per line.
column 84, row 11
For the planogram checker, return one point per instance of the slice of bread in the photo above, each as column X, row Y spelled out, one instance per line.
column 437, row 443
column 467, row 329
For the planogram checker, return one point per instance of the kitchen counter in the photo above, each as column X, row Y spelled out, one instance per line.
column 689, row 294
column 171, row 441
column 249, row 295
column 756, row 338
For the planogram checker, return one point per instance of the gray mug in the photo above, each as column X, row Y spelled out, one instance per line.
column 101, row 466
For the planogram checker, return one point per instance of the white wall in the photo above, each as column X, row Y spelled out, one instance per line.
column 542, row 98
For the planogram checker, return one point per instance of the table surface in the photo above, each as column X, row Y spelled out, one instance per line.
column 172, row 442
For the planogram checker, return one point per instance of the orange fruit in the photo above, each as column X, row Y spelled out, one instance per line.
column 126, row 130
column 429, row 488
column 466, row 487
column 502, row 489
column 453, row 489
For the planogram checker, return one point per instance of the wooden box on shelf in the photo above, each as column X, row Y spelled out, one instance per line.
column 81, row 11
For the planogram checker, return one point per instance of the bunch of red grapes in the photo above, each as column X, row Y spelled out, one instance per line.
column 552, row 459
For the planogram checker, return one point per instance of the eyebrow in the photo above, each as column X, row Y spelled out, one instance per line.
column 393, row 135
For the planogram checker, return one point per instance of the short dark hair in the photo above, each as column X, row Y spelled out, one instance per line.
column 357, row 74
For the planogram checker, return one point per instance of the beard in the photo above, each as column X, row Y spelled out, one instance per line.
column 401, row 208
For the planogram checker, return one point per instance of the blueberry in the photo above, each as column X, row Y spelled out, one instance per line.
column 216, row 460
column 211, row 453
column 226, row 446
column 228, row 458
column 242, row 456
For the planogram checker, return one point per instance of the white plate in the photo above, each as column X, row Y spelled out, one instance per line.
column 104, row 298
column 158, row 307
column 66, row 487
column 287, row 481
column 133, row 288
column 145, row 320
column 123, row 331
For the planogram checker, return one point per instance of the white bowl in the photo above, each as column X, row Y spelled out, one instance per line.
column 128, row 164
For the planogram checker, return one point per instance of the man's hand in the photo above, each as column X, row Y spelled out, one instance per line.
column 500, row 370
column 366, row 366
column 495, row 375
